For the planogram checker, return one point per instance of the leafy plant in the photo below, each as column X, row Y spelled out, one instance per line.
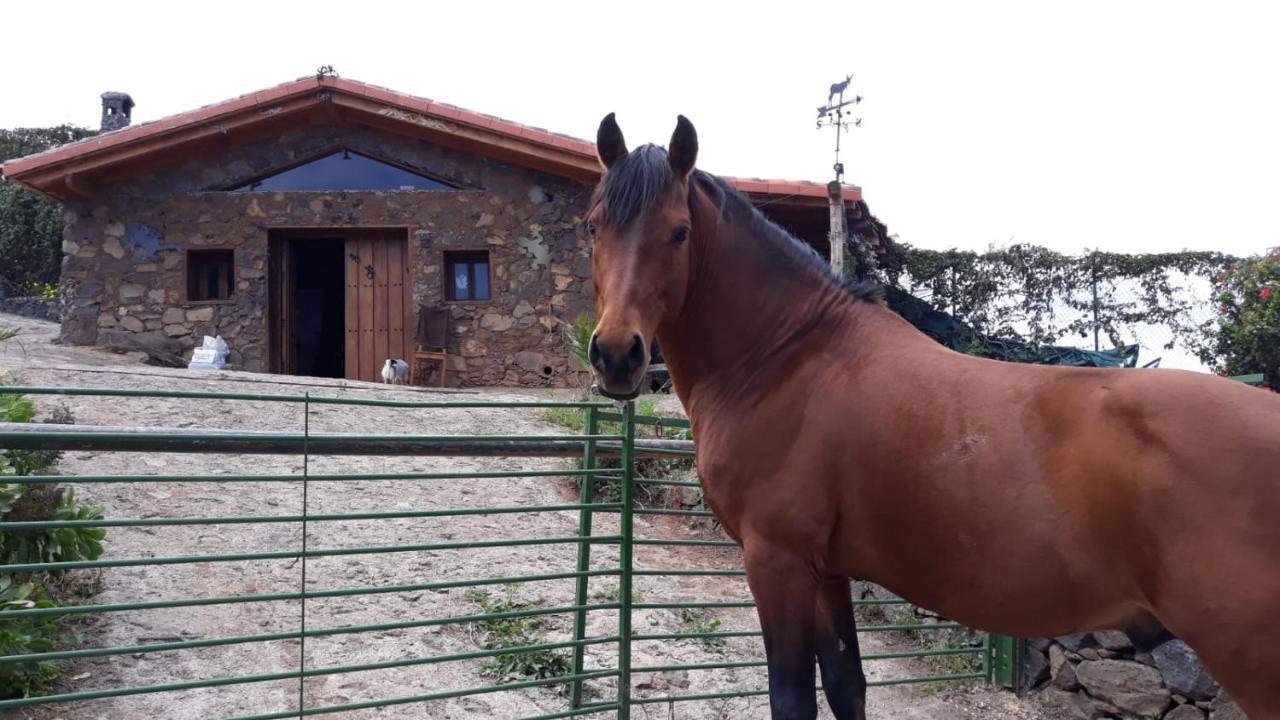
column 24, row 636
column 695, row 622
column 1245, row 338
column 578, row 335
column 515, row 633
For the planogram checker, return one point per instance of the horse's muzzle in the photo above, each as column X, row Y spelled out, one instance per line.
column 619, row 367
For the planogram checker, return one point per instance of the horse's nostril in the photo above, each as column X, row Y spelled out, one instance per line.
column 593, row 351
column 636, row 353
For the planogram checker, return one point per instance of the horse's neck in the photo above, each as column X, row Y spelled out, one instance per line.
column 742, row 318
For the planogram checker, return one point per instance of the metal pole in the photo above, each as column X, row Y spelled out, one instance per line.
column 302, row 600
column 587, row 492
column 625, row 530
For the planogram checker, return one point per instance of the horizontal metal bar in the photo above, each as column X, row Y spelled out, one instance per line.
column 686, row 543
column 663, row 699
column 267, row 677
column 105, row 438
column 579, row 712
column 706, row 604
column 609, row 416
column 870, row 657
column 674, row 483
column 347, row 707
column 599, row 473
column 258, row 519
column 662, row 572
column 700, row 696
column 280, row 397
column 931, row 678
column 681, row 513
column 693, row 635
column 288, row 555
column 310, row 595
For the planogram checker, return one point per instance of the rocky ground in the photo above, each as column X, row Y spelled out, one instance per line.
column 35, row 360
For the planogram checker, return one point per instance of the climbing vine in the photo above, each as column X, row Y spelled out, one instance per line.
column 1045, row 297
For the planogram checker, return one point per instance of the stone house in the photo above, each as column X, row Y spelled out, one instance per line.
column 308, row 223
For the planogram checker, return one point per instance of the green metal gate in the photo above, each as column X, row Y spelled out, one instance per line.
column 607, row 478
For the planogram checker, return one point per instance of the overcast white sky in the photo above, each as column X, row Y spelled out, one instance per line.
column 1129, row 126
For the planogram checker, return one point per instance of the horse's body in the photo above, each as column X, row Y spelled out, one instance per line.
column 836, row 441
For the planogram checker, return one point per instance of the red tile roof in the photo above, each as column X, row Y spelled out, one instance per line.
column 574, row 153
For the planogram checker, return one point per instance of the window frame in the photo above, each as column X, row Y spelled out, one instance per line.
column 189, row 261
column 470, row 257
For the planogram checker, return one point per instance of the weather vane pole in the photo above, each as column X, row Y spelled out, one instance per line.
column 833, row 114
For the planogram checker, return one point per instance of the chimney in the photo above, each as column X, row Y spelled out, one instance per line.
column 117, row 107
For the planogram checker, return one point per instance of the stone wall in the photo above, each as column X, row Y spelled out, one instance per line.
column 1102, row 675
column 124, row 276
column 35, row 307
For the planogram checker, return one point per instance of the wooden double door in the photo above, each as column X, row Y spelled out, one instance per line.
column 341, row 301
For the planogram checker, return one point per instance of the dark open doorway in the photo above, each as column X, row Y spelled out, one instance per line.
column 319, row 322
column 308, row 309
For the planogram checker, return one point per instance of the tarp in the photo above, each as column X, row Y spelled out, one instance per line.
column 953, row 333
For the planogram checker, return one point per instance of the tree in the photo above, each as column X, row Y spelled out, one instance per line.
column 31, row 225
column 1245, row 338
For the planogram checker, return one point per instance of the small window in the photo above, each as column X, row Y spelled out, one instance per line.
column 210, row 275
column 466, row 275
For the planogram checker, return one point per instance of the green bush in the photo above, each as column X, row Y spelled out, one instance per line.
column 39, row 502
column 24, row 636
column 1245, row 338
column 31, row 225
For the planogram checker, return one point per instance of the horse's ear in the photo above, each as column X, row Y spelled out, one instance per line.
column 683, row 151
column 610, row 146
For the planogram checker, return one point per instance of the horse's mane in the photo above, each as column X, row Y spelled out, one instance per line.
column 636, row 184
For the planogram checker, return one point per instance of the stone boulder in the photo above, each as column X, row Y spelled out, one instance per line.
column 1185, row 712
column 1182, row 672
column 1035, row 667
column 1128, row 685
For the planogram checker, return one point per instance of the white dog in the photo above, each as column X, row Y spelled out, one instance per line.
column 395, row 372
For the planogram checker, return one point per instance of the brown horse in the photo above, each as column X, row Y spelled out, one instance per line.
column 836, row 441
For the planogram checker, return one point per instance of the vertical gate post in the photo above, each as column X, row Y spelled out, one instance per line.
column 1003, row 660
column 586, row 497
column 625, row 562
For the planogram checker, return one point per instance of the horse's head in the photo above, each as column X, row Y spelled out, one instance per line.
column 640, row 224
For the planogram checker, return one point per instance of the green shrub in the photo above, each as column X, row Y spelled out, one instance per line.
column 1245, row 338
column 24, row 636
column 40, row 502
column 696, row 621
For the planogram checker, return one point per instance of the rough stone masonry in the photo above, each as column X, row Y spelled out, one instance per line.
column 124, row 277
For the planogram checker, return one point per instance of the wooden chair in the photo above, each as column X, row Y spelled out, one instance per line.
column 431, row 342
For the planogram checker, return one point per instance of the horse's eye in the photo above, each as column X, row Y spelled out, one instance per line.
column 590, row 229
column 679, row 236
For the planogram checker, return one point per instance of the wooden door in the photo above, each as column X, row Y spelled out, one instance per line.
column 280, row 264
column 378, row 295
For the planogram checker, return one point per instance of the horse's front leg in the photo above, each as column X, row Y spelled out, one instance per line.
column 837, row 641
column 786, row 592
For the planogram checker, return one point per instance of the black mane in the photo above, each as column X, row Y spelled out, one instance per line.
column 636, row 184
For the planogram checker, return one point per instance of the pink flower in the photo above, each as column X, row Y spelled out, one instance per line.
column 1225, row 309
column 1265, row 293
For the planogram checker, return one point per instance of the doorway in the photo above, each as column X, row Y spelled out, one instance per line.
column 340, row 301
column 320, row 322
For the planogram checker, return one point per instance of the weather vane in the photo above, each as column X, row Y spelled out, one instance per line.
column 833, row 114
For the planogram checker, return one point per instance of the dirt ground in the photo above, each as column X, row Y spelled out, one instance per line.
column 35, row 360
